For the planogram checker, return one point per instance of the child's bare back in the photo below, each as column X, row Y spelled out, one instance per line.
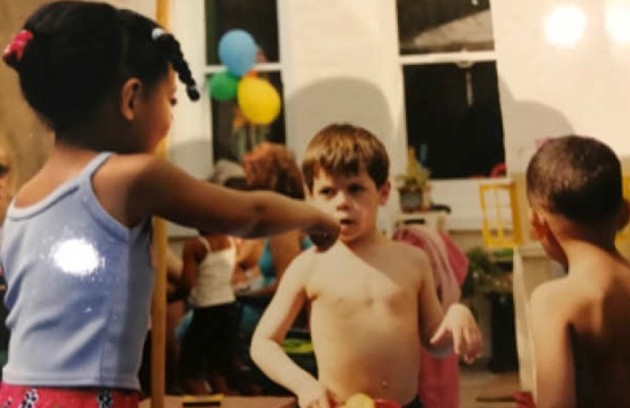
column 593, row 303
column 365, row 326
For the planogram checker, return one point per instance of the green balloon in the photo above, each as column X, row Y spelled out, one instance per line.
column 223, row 86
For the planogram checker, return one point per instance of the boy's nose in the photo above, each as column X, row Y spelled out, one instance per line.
column 342, row 200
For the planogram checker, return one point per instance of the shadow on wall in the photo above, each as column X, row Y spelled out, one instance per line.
column 525, row 123
column 339, row 99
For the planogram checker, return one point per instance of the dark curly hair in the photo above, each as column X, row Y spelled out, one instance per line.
column 81, row 52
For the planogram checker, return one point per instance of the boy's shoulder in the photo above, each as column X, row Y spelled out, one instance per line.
column 407, row 252
column 558, row 299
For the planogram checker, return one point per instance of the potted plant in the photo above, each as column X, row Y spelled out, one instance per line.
column 413, row 185
column 490, row 277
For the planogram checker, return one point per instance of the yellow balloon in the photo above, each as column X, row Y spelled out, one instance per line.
column 258, row 99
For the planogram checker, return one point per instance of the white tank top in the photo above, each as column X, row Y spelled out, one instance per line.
column 214, row 279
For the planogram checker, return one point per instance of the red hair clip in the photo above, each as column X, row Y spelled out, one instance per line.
column 14, row 52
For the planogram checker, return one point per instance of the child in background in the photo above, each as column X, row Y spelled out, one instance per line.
column 372, row 300
column 77, row 235
column 580, row 323
column 209, row 345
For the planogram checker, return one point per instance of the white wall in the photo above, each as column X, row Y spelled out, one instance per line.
column 549, row 90
column 340, row 64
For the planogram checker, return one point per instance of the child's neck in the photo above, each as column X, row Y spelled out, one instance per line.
column 579, row 250
column 365, row 242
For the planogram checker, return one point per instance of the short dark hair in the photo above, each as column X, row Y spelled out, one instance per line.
column 347, row 150
column 577, row 177
column 81, row 52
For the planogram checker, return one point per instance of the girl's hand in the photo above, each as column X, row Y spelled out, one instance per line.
column 324, row 233
column 460, row 324
column 315, row 395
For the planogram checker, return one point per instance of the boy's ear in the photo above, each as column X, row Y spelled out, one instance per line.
column 538, row 223
column 624, row 215
column 383, row 192
column 129, row 96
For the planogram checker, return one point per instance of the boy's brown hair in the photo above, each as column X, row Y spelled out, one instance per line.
column 344, row 149
column 577, row 177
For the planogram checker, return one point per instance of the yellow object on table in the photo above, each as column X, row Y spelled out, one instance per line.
column 359, row 401
column 202, row 400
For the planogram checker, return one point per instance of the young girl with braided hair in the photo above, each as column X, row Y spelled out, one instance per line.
column 77, row 235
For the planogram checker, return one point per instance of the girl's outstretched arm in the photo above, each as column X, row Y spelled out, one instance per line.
column 157, row 187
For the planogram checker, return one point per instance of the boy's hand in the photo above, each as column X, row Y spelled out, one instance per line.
column 325, row 233
column 460, row 324
column 315, row 395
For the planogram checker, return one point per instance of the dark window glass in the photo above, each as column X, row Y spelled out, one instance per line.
column 453, row 118
column 233, row 135
column 426, row 26
column 257, row 17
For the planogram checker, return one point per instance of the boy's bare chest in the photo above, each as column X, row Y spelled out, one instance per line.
column 348, row 286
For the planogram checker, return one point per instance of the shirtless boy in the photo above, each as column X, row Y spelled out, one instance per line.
column 580, row 322
column 373, row 301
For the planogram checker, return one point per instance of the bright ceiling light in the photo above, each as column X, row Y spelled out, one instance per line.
column 565, row 26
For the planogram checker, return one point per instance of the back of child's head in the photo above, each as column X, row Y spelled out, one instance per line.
column 344, row 149
column 576, row 177
column 272, row 167
column 72, row 56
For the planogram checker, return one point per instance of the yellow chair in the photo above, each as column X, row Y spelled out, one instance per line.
column 501, row 226
column 624, row 234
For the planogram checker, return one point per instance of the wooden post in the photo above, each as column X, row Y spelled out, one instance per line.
column 160, row 247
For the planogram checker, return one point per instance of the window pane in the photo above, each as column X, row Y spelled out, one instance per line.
column 426, row 26
column 257, row 17
column 233, row 135
column 454, row 119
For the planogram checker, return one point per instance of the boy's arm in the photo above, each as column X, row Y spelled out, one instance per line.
column 442, row 332
column 553, row 357
column 266, row 349
column 430, row 312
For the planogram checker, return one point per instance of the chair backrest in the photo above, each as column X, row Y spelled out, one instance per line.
column 501, row 226
column 624, row 234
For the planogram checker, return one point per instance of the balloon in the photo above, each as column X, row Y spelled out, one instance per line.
column 258, row 99
column 223, row 86
column 237, row 51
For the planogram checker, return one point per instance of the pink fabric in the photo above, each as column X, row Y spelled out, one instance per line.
column 456, row 258
column 438, row 382
column 440, row 255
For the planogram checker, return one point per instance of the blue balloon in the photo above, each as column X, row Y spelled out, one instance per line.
column 237, row 51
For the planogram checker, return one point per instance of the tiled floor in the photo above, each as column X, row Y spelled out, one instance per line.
column 481, row 388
